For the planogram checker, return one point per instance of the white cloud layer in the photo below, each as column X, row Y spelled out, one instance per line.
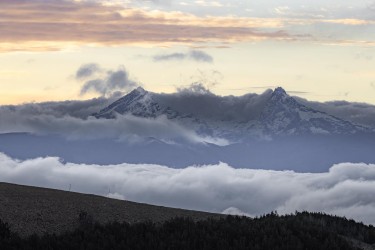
column 346, row 190
column 124, row 128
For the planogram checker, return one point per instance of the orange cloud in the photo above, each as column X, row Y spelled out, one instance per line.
column 353, row 22
column 41, row 25
column 51, row 25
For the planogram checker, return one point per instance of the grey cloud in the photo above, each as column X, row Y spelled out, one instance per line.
column 96, row 85
column 109, row 82
column 198, row 100
column 346, row 190
column 167, row 57
column 75, row 109
column 361, row 113
column 194, row 99
column 73, row 120
column 194, row 88
column 195, row 55
column 120, row 80
column 201, row 56
column 87, row 70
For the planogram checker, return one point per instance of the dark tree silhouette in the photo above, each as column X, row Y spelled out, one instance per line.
column 303, row 231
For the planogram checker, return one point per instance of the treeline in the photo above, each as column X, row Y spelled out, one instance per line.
column 299, row 231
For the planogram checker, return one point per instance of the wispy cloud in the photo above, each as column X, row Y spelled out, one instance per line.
column 169, row 57
column 205, row 3
column 51, row 25
column 195, row 55
column 87, row 70
column 59, row 24
column 350, row 21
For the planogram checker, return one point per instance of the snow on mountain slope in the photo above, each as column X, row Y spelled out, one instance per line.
column 138, row 103
column 280, row 115
column 284, row 115
column 142, row 103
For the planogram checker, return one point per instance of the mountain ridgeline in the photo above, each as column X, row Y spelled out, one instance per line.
column 268, row 131
column 273, row 113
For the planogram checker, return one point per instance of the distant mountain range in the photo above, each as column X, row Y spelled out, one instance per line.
column 277, row 114
column 268, row 131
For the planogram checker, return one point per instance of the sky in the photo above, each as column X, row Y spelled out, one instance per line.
column 320, row 50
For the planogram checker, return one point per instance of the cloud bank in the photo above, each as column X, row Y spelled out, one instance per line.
column 76, row 109
column 198, row 100
column 346, row 190
column 361, row 113
column 123, row 128
column 71, row 118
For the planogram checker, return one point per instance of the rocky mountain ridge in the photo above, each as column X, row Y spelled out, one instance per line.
column 280, row 115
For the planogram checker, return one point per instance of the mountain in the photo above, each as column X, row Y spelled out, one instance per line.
column 284, row 115
column 278, row 114
column 268, row 131
column 142, row 103
column 138, row 103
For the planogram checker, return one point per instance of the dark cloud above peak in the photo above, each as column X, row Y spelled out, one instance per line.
column 193, row 55
column 197, row 99
column 195, row 89
column 87, row 70
column 104, row 82
column 119, row 79
column 201, row 56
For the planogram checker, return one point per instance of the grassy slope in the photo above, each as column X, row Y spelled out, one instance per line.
column 31, row 210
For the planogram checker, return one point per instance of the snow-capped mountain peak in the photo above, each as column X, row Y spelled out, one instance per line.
column 284, row 115
column 140, row 90
column 138, row 102
column 281, row 114
column 279, row 91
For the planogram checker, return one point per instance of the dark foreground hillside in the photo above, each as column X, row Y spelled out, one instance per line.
column 37, row 218
column 303, row 231
column 30, row 210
